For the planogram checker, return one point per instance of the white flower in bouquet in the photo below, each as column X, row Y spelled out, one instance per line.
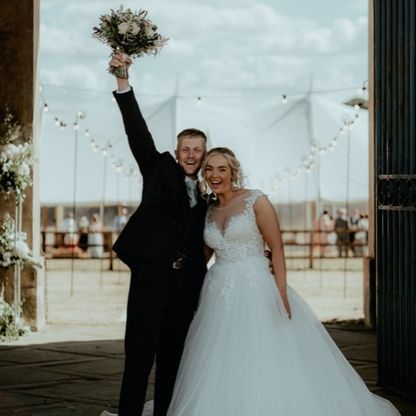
column 123, row 28
column 131, row 33
column 135, row 29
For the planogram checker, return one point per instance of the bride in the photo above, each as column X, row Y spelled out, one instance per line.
column 255, row 348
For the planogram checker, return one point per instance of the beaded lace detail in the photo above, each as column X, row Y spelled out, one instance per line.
column 233, row 234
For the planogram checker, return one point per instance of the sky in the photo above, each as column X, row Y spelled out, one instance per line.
column 240, row 53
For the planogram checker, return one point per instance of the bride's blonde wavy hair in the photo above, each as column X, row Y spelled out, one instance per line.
column 236, row 172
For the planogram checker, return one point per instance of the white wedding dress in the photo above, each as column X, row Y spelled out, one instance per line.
column 243, row 356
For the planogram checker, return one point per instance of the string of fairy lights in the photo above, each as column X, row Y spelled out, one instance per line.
column 307, row 165
column 106, row 149
column 309, row 162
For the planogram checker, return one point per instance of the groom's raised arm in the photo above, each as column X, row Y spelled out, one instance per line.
column 140, row 140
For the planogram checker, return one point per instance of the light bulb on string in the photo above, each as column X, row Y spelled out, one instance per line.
column 87, row 133
column 199, row 101
column 284, row 99
column 106, row 150
column 76, row 126
column 45, row 108
column 119, row 165
column 57, row 122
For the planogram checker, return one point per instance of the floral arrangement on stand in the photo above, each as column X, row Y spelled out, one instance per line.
column 131, row 33
column 10, row 327
column 15, row 172
column 14, row 250
column 16, row 161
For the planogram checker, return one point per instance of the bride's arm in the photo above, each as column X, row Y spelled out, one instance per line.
column 208, row 251
column 269, row 227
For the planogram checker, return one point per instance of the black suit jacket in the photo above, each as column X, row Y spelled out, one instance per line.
column 158, row 231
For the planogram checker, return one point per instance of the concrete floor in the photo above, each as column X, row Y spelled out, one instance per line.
column 73, row 366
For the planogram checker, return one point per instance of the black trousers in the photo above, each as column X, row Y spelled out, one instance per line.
column 160, row 308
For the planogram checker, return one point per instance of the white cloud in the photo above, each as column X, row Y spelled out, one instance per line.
column 214, row 46
column 179, row 47
column 79, row 75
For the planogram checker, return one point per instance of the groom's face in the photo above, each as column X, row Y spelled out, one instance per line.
column 190, row 153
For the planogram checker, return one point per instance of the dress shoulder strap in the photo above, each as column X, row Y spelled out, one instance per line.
column 253, row 196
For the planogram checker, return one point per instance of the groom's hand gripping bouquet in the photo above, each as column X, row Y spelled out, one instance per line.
column 129, row 33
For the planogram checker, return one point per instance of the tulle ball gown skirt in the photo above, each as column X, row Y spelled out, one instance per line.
column 244, row 357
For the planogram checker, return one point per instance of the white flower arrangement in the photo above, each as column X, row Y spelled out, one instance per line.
column 15, row 168
column 15, row 159
column 14, row 250
column 10, row 326
column 132, row 33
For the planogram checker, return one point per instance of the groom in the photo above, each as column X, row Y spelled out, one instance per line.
column 163, row 246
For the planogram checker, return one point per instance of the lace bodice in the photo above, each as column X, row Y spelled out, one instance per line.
column 232, row 231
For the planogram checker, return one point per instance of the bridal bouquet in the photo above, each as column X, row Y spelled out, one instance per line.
column 13, row 247
column 131, row 33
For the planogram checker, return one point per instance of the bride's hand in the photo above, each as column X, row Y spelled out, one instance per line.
column 287, row 306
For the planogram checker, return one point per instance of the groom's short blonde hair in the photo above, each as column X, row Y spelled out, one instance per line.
column 191, row 133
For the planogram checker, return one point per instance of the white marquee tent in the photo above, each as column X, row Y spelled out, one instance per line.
column 270, row 138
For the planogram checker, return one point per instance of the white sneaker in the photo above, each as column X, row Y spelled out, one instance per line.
column 105, row 413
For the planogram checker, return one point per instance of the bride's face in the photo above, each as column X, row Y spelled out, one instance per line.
column 218, row 174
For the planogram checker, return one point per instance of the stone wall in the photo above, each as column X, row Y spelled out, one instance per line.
column 19, row 30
